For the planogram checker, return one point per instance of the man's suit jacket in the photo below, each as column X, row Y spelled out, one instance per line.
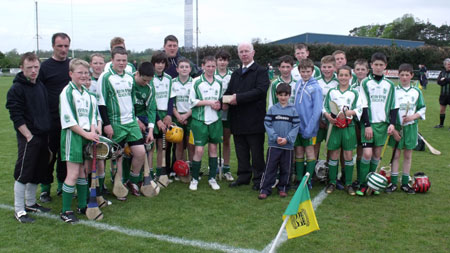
column 247, row 117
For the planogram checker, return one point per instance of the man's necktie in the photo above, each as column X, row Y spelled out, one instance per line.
column 244, row 70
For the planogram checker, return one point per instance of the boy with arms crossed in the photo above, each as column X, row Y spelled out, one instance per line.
column 308, row 103
column 27, row 102
column 347, row 100
column 223, row 74
column 281, row 123
column 206, row 122
column 411, row 106
column 78, row 122
column 181, row 87
column 379, row 116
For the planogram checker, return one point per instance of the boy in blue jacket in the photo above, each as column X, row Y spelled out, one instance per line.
column 281, row 123
column 308, row 102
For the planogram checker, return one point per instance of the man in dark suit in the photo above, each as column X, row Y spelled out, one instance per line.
column 247, row 107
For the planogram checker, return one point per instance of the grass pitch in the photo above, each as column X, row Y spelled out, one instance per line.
column 236, row 218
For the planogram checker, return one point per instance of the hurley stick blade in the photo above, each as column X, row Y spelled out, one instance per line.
column 334, row 110
column 432, row 150
column 148, row 188
column 119, row 190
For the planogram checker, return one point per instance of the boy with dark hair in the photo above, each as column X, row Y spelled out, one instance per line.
column 120, row 42
column 281, row 123
column 378, row 117
column 206, row 121
column 223, row 74
column 27, row 102
column 285, row 68
column 162, row 85
column 302, row 52
column 444, row 98
column 308, row 102
column 411, row 104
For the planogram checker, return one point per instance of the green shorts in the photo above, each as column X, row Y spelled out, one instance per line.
column 72, row 146
column 204, row 134
column 321, row 135
column 226, row 124
column 379, row 134
column 409, row 137
column 302, row 142
column 128, row 132
column 344, row 138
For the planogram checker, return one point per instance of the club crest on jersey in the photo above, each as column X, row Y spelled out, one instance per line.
column 384, row 91
column 144, row 95
column 66, row 118
column 348, row 101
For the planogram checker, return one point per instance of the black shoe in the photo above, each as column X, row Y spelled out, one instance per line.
column 355, row 184
column 105, row 190
column 23, row 217
column 59, row 192
column 406, row 188
column 82, row 210
column 339, row 185
column 45, row 197
column 330, row 188
column 438, row 126
column 236, row 184
column 256, row 187
column 36, row 208
column 69, row 217
column 391, row 188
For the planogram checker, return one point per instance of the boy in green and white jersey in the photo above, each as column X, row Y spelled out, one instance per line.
column 411, row 104
column 361, row 70
column 327, row 80
column 302, row 52
column 341, row 60
column 162, row 85
column 116, row 104
column 181, row 87
column 78, row 122
column 379, row 116
column 285, row 68
column 97, row 64
column 206, row 121
column 342, row 136
column 223, row 74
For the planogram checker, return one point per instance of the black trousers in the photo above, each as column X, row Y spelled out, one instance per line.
column 276, row 158
column 249, row 146
column 54, row 142
column 32, row 159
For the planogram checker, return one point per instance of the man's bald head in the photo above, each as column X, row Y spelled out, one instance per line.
column 246, row 52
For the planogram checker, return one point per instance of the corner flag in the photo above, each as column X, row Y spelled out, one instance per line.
column 300, row 212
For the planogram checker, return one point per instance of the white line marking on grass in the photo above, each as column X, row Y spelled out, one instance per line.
column 315, row 202
column 145, row 234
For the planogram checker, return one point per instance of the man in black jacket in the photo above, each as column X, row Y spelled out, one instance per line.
column 247, row 108
column 54, row 74
column 27, row 103
column 444, row 98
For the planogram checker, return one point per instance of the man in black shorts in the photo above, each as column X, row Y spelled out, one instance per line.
column 444, row 99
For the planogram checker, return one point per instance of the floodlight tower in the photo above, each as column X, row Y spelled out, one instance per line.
column 188, row 25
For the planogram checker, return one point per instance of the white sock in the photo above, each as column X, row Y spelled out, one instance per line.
column 19, row 196
column 30, row 194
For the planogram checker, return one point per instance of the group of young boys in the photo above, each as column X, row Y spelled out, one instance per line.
column 348, row 109
column 135, row 109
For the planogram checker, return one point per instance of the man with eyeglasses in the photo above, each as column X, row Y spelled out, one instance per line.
column 54, row 74
column 247, row 91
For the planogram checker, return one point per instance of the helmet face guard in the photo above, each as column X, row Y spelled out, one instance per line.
column 105, row 148
column 321, row 171
column 421, row 182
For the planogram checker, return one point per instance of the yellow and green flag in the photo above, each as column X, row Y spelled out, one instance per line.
column 302, row 219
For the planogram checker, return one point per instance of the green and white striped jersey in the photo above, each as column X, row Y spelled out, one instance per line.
column 162, row 86
column 145, row 103
column 116, row 92
column 378, row 97
column 296, row 74
column 181, row 93
column 409, row 99
column 349, row 98
column 77, row 108
column 130, row 69
column 273, row 90
column 225, row 80
column 326, row 86
column 203, row 90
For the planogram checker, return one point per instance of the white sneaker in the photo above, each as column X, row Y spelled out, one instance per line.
column 212, row 182
column 228, row 177
column 193, row 185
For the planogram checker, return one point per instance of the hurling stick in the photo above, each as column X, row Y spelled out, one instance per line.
column 432, row 150
column 334, row 109
column 163, row 180
column 119, row 190
column 93, row 211
column 220, row 162
column 148, row 188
